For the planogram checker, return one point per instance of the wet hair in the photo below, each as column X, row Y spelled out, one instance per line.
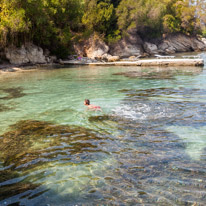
column 87, row 101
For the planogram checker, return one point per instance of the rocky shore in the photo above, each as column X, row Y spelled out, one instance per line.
column 94, row 51
column 148, row 62
column 133, row 46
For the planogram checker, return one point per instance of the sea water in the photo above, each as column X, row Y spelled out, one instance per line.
column 147, row 146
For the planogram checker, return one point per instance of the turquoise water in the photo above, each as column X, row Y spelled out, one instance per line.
column 147, row 146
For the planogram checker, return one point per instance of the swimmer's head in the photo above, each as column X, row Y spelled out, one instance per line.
column 86, row 102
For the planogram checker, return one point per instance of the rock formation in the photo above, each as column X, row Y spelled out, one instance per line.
column 180, row 43
column 129, row 45
column 132, row 45
column 94, row 47
column 28, row 53
column 150, row 48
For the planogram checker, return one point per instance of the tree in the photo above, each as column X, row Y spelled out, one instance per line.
column 141, row 15
column 98, row 15
column 13, row 21
column 201, row 15
column 181, row 17
column 48, row 23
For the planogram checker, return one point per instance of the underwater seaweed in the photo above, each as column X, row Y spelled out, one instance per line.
column 28, row 140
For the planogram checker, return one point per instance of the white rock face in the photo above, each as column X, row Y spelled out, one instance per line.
column 94, row 47
column 27, row 53
column 150, row 48
column 130, row 45
column 181, row 43
column 35, row 54
column 113, row 58
column 203, row 40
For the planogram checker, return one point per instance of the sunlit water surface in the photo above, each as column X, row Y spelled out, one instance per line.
column 147, row 146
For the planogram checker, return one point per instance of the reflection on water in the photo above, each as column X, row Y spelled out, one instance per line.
column 161, row 72
column 147, row 147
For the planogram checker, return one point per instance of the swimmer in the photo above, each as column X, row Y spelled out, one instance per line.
column 91, row 106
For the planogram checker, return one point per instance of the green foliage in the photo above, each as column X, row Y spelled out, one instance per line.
column 204, row 33
column 140, row 14
column 163, row 16
column 54, row 24
column 12, row 21
column 114, row 37
column 98, row 15
column 48, row 23
column 181, row 17
column 201, row 15
column 171, row 24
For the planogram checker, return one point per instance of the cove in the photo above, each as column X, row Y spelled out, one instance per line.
column 147, row 147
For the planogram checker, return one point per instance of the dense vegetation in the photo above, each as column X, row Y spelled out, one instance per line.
column 54, row 24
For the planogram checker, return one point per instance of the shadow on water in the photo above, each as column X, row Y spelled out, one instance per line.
column 161, row 72
column 158, row 92
column 4, row 108
column 12, row 93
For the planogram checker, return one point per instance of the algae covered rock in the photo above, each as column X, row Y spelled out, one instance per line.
column 29, row 140
column 12, row 93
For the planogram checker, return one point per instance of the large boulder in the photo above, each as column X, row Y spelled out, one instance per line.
column 110, row 58
column 203, row 40
column 150, row 48
column 28, row 53
column 94, row 47
column 180, row 43
column 129, row 45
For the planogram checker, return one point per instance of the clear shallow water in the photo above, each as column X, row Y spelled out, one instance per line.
column 148, row 146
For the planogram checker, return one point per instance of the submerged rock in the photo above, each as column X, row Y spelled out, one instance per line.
column 15, row 188
column 146, row 75
column 12, row 93
column 29, row 139
column 160, row 72
column 3, row 108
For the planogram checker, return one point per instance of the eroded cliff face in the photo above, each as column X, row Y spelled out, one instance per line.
column 130, row 45
column 180, row 43
column 133, row 45
column 94, row 47
column 28, row 53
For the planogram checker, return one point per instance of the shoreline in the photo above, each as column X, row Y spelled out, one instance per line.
column 139, row 63
column 8, row 68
